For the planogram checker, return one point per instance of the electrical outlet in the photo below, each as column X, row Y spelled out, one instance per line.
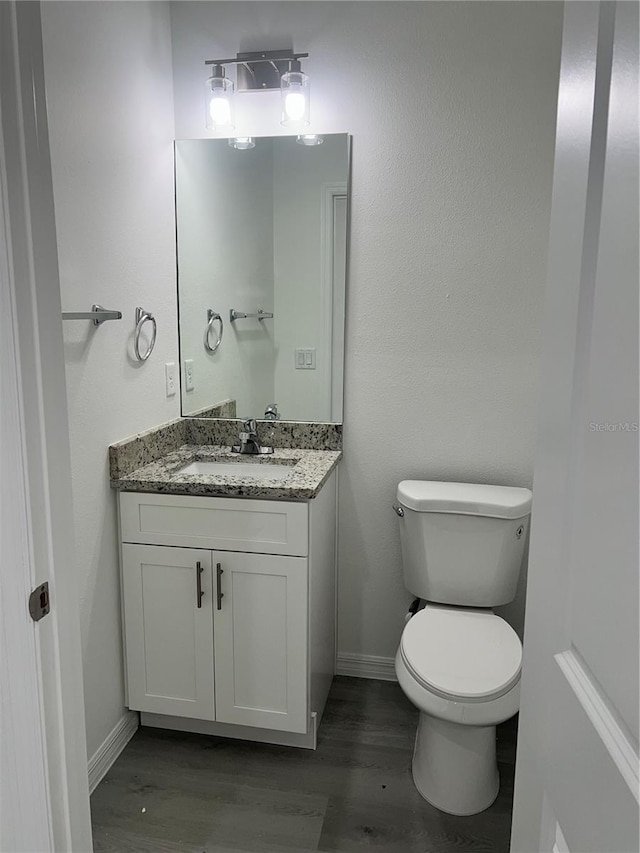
column 188, row 374
column 170, row 377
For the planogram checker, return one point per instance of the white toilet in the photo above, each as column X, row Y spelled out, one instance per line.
column 459, row 663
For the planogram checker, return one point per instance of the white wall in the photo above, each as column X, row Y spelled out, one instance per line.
column 302, row 304
column 225, row 253
column 108, row 78
column 452, row 111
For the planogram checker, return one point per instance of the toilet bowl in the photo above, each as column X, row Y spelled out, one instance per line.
column 461, row 668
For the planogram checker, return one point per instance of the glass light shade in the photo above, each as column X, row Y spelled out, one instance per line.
column 294, row 88
column 219, row 103
column 243, row 143
column 309, row 139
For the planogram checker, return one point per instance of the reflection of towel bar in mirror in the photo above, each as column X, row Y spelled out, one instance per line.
column 240, row 315
column 98, row 314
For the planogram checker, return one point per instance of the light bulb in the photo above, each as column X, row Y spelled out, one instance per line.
column 220, row 111
column 294, row 88
column 219, row 101
column 294, row 105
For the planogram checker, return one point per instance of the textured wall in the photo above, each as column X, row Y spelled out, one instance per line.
column 452, row 110
column 108, row 78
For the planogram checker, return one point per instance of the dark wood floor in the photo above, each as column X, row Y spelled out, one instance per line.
column 170, row 791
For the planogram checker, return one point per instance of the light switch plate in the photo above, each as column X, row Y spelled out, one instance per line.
column 305, row 359
column 188, row 374
column 170, row 377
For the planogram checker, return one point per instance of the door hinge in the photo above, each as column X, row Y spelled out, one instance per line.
column 39, row 604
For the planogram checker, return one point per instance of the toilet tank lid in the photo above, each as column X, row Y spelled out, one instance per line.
column 465, row 498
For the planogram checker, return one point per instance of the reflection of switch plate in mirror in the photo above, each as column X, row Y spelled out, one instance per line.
column 188, row 374
column 306, row 359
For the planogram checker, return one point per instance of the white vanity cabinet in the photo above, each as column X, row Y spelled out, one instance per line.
column 168, row 639
column 229, row 612
column 260, row 640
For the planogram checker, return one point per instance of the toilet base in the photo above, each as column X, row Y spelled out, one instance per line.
column 454, row 766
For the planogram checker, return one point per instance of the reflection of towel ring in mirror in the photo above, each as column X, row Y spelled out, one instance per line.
column 212, row 316
column 141, row 318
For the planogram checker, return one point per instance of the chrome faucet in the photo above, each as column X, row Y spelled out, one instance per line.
column 249, row 441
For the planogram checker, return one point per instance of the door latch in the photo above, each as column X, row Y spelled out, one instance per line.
column 39, row 604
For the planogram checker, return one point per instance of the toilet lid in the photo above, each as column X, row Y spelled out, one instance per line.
column 460, row 653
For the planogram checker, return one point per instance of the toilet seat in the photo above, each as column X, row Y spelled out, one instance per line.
column 461, row 654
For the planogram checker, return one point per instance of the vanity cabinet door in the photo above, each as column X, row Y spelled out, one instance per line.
column 168, row 620
column 260, row 639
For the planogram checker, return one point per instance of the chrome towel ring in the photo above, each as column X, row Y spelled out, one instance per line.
column 142, row 317
column 212, row 316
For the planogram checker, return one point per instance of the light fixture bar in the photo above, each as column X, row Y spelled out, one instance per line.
column 259, row 56
column 260, row 70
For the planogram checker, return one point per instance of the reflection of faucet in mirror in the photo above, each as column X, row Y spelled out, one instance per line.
column 271, row 413
column 249, row 441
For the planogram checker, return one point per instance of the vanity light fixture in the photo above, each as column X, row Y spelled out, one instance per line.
column 259, row 71
column 294, row 88
column 309, row 139
column 219, row 100
column 242, row 143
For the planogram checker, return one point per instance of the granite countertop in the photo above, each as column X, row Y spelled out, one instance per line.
column 312, row 468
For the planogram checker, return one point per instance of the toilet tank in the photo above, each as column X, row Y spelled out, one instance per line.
column 462, row 543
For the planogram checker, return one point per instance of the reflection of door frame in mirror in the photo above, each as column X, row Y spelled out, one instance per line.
column 333, row 309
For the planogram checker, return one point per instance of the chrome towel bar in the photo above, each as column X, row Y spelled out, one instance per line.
column 98, row 314
column 240, row 315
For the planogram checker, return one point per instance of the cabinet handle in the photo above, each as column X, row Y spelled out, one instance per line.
column 219, row 593
column 199, row 592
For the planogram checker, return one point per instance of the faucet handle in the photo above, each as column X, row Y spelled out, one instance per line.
column 250, row 425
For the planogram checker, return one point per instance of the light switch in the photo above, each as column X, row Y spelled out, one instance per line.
column 305, row 358
column 188, row 374
column 170, row 377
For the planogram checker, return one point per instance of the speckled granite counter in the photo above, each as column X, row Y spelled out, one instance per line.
column 311, row 470
column 152, row 461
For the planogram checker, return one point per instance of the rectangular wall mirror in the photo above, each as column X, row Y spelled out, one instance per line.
column 262, row 248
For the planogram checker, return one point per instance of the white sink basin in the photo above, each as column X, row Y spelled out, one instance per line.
column 254, row 470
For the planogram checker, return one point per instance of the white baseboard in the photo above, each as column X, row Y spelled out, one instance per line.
column 366, row 666
column 111, row 747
